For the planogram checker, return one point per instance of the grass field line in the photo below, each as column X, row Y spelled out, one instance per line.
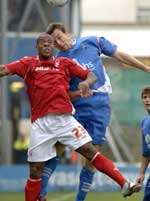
column 64, row 197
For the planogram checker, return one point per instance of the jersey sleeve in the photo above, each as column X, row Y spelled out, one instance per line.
column 19, row 67
column 145, row 140
column 75, row 69
column 145, row 147
column 107, row 48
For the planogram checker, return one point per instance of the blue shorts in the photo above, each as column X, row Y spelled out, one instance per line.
column 147, row 191
column 95, row 118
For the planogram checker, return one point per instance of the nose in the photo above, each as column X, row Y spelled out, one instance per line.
column 46, row 44
column 147, row 100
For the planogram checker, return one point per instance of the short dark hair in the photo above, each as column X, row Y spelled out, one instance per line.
column 145, row 90
column 52, row 26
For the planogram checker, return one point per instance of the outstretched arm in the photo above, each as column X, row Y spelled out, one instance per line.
column 130, row 60
column 3, row 71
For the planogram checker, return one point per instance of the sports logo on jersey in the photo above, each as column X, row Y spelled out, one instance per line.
column 57, row 63
column 74, row 41
column 42, row 68
column 55, row 67
column 89, row 65
column 85, row 66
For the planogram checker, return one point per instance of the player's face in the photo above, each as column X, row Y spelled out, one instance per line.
column 62, row 41
column 146, row 101
column 45, row 45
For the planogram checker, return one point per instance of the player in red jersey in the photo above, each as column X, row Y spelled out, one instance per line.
column 47, row 79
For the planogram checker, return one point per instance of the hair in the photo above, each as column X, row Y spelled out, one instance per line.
column 52, row 26
column 41, row 36
column 145, row 90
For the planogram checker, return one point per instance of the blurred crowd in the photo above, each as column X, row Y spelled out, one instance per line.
column 16, row 10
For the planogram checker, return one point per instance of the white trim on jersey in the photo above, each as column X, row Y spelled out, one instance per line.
column 106, row 87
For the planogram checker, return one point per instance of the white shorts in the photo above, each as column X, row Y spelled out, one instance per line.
column 48, row 130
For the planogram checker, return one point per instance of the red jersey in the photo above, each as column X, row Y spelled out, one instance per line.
column 47, row 83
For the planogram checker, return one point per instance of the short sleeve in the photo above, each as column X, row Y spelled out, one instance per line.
column 145, row 147
column 107, row 47
column 76, row 69
column 19, row 67
column 145, row 131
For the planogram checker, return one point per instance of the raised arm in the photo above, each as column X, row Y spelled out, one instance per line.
column 130, row 60
column 3, row 70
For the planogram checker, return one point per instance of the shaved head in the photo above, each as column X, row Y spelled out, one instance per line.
column 44, row 36
column 44, row 45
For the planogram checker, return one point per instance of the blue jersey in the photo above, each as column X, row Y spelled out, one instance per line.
column 92, row 112
column 145, row 129
column 87, row 52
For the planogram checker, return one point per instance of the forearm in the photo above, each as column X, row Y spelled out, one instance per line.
column 144, row 164
column 84, row 86
column 130, row 60
column 3, row 71
column 74, row 95
column 91, row 78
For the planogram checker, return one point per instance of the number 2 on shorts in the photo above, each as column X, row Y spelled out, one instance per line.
column 79, row 132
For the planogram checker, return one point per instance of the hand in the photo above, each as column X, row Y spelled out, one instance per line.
column 140, row 179
column 85, row 91
column 139, row 183
column 137, row 187
column 147, row 69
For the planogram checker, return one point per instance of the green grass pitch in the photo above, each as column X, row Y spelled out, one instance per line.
column 70, row 196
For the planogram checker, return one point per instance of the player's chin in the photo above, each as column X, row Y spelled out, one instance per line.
column 46, row 55
column 147, row 107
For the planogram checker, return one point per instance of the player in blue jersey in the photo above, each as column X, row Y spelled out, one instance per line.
column 93, row 112
column 145, row 131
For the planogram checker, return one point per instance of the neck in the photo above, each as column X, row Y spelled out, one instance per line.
column 45, row 58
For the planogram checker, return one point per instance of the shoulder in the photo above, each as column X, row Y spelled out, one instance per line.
column 87, row 39
column 94, row 38
column 145, row 122
column 28, row 59
column 63, row 60
column 103, row 39
column 146, row 119
column 99, row 41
